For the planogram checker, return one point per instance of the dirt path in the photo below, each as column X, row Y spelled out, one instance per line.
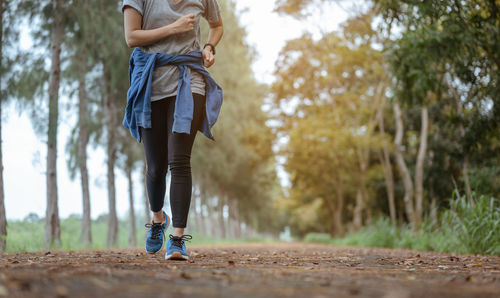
column 250, row 270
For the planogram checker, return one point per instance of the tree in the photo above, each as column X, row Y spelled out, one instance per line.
column 404, row 172
column 112, row 56
column 130, row 154
column 98, row 41
column 29, row 82
column 3, row 219
column 385, row 161
column 80, row 44
column 337, row 87
column 52, row 226
column 446, row 53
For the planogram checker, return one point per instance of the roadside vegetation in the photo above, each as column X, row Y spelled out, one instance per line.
column 27, row 235
column 468, row 226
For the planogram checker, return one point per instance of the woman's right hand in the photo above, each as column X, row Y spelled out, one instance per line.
column 135, row 36
column 184, row 23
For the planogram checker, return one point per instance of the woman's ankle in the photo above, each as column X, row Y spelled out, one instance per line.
column 178, row 232
column 159, row 217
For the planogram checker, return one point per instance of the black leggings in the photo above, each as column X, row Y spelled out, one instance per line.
column 164, row 148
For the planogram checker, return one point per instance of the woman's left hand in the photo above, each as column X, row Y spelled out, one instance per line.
column 208, row 57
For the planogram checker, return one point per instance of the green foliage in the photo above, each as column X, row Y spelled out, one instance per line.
column 383, row 234
column 451, row 49
column 467, row 227
column 486, row 178
column 318, row 238
column 475, row 223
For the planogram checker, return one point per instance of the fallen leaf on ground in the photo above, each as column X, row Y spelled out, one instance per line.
column 185, row 275
column 61, row 291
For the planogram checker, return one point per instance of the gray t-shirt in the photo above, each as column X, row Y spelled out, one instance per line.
column 159, row 13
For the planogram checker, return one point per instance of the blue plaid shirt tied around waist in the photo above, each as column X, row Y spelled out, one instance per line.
column 138, row 110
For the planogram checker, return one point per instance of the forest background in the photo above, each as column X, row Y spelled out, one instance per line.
column 384, row 131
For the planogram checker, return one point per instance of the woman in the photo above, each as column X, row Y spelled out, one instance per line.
column 171, row 97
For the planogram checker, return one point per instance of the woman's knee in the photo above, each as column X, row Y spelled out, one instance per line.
column 156, row 172
column 180, row 165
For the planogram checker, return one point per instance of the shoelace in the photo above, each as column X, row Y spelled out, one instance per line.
column 178, row 241
column 155, row 229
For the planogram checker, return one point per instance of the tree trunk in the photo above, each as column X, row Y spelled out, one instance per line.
column 203, row 204
column 83, row 139
column 229, row 228
column 3, row 218
column 111, row 158
column 147, row 212
column 131, row 240
column 385, row 160
column 361, row 196
column 195, row 215
column 222, row 225
column 405, row 174
column 419, row 168
column 461, row 129
column 204, row 230
column 368, row 216
column 52, row 234
column 215, row 219
column 237, row 217
column 339, row 225
column 358, row 211
column 433, row 215
column 465, row 173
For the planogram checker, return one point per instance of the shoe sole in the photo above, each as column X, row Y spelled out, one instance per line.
column 176, row 256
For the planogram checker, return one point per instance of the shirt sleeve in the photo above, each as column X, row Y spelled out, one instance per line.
column 212, row 10
column 137, row 4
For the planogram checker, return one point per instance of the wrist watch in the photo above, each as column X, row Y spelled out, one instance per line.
column 211, row 46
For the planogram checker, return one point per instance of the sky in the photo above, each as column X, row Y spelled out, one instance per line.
column 24, row 153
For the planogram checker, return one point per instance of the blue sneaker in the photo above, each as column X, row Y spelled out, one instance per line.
column 156, row 235
column 176, row 248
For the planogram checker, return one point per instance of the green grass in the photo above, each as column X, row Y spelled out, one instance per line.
column 27, row 235
column 24, row 235
column 464, row 228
